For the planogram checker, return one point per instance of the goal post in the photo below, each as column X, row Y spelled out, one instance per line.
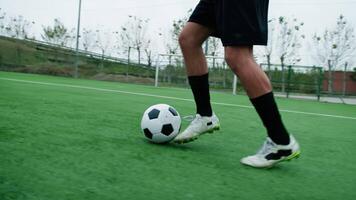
column 157, row 71
column 170, row 70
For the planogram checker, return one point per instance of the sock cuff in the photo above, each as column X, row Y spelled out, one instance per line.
column 201, row 81
column 199, row 77
column 262, row 97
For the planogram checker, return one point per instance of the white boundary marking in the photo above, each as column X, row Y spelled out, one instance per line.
column 168, row 97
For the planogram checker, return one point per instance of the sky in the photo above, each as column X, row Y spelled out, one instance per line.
column 112, row 14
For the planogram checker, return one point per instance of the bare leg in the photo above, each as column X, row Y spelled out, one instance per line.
column 190, row 40
column 259, row 89
column 241, row 61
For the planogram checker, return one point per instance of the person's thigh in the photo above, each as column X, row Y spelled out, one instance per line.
column 190, row 40
column 205, row 14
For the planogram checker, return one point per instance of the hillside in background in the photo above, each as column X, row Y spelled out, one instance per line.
column 41, row 58
column 29, row 56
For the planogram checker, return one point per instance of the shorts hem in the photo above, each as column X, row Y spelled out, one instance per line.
column 201, row 23
column 241, row 43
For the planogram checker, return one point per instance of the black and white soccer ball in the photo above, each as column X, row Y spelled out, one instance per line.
column 160, row 123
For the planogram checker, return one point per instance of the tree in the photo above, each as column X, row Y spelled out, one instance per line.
column 18, row 27
column 288, row 42
column 2, row 22
column 88, row 39
column 214, row 48
column 58, row 34
column 171, row 41
column 335, row 47
column 172, row 45
column 267, row 52
column 103, row 43
column 148, row 52
column 133, row 35
column 337, row 44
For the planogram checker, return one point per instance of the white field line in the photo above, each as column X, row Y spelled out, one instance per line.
column 168, row 97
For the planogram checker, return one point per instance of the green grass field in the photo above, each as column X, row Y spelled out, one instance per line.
column 62, row 138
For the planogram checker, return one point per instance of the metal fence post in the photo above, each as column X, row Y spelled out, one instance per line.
column 344, row 80
column 77, row 42
column 288, row 79
column 283, row 78
column 224, row 74
column 234, row 85
column 157, row 70
column 320, row 78
column 330, row 78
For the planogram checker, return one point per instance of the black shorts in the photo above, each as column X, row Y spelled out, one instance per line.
column 235, row 22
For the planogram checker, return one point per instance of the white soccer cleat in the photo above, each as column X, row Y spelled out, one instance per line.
column 197, row 127
column 272, row 153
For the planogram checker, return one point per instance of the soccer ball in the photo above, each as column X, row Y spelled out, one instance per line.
column 160, row 123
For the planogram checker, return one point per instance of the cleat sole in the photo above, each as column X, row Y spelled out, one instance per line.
column 216, row 128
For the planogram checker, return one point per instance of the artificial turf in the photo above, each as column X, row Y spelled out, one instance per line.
column 63, row 138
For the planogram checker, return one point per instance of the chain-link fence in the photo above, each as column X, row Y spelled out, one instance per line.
column 286, row 79
column 37, row 57
column 291, row 79
column 170, row 70
column 339, row 83
column 311, row 80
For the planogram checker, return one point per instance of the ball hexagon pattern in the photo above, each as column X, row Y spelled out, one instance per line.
column 160, row 123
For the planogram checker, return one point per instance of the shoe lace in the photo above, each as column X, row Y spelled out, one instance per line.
column 188, row 118
column 191, row 118
column 266, row 147
column 194, row 121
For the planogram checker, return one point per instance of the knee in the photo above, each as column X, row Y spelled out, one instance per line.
column 230, row 57
column 237, row 58
column 187, row 41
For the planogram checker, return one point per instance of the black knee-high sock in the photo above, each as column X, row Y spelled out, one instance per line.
column 200, row 89
column 267, row 109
